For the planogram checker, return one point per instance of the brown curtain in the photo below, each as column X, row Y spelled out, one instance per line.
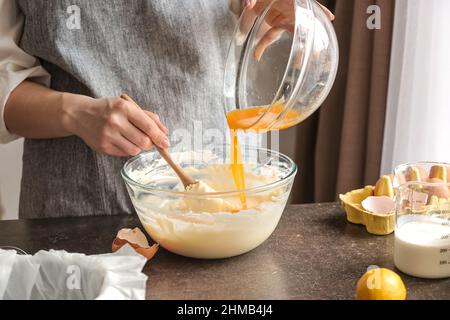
column 339, row 148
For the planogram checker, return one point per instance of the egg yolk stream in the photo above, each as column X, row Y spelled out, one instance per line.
column 260, row 120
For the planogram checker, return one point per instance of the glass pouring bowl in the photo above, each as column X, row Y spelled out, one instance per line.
column 295, row 73
column 155, row 193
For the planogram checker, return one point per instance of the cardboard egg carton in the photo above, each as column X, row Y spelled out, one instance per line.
column 438, row 196
column 377, row 224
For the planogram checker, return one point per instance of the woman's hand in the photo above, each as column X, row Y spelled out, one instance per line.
column 279, row 19
column 250, row 4
column 114, row 126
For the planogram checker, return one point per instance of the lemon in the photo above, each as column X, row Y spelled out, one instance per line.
column 380, row 284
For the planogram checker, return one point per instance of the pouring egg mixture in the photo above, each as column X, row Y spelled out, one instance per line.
column 258, row 119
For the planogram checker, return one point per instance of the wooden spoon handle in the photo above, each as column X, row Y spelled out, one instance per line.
column 184, row 177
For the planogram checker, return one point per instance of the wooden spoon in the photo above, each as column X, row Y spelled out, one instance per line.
column 187, row 180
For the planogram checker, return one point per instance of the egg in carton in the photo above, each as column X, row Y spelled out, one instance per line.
column 372, row 206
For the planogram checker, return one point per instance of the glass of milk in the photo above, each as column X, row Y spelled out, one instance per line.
column 422, row 231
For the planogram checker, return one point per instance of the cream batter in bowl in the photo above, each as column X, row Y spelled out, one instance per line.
column 210, row 225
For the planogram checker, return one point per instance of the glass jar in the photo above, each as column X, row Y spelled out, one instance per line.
column 422, row 228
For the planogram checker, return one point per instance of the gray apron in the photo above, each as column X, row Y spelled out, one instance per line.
column 167, row 54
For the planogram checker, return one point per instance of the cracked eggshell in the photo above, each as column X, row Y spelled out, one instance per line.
column 136, row 239
column 379, row 205
column 377, row 224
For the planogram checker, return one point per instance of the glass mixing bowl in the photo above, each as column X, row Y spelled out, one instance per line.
column 160, row 201
column 291, row 78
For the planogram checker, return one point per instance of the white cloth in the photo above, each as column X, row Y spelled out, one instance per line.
column 15, row 65
column 59, row 275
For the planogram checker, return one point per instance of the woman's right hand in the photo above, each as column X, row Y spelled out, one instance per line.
column 114, row 126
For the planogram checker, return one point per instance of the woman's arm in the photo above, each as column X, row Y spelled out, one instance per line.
column 36, row 112
column 31, row 110
column 15, row 64
column 109, row 126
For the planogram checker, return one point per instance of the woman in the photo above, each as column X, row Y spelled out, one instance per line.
column 60, row 60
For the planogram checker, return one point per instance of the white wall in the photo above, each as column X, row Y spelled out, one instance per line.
column 10, row 175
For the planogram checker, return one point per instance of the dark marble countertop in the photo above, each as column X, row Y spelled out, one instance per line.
column 313, row 254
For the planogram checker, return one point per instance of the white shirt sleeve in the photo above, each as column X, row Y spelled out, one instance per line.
column 15, row 64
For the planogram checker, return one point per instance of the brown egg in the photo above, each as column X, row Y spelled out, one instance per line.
column 438, row 191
